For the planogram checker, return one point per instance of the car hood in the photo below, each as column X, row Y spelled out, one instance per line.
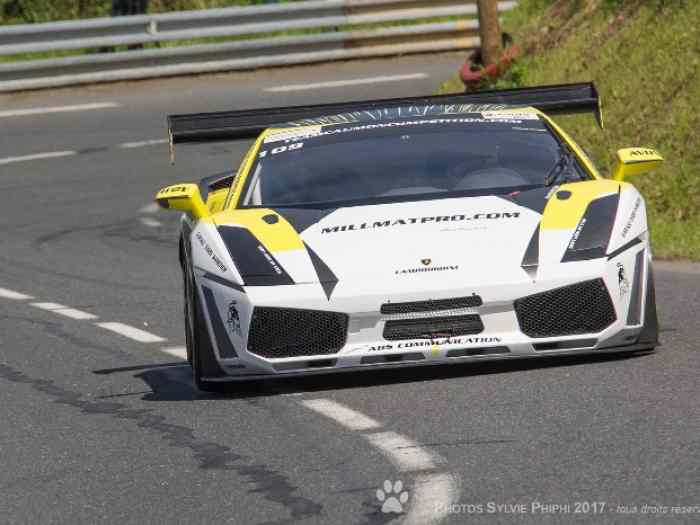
column 423, row 241
column 425, row 244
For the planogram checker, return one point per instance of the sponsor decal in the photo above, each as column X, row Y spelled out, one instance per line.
column 172, row 189
column 280, row 149
column 340, row 119
column 463, row 229
column 577, row 234
column 380, row 348
column 234, row 320
column 537, row 130
column 434, row 345
column 622, row 280
column 642, row 152
column 406, row 271
column 430, row 343
column 633, row 216
column 511, row 114
column 210, row 252
column 270, row 259
column 391, row 223
column 311, row 129
column 293, row 134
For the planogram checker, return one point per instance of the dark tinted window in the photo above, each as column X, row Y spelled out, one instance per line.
column 392, row 160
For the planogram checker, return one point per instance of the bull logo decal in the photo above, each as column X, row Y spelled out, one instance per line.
column 622, row 280
column 234, row 320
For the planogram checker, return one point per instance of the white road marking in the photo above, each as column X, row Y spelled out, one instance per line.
column 341, row 414
column 404, row 453
column 176, row 351
column 151, row 223
column 150, row 208
column 48, row 306
column 432, row 496
column 76, row 314
column 142, row 143
column 70, row 153
column 65, row 310
column 10, row 294
column 57, row 109
column 38, row 156
column 132, row 333
column 342, row 83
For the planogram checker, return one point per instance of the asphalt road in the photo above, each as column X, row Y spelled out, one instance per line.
column 100, row 425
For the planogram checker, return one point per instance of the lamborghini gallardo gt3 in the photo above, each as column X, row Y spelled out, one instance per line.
column 407, row 232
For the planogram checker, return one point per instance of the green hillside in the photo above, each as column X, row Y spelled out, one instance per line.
column 644, row 56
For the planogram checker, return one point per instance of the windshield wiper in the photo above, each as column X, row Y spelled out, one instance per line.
column 560, row 166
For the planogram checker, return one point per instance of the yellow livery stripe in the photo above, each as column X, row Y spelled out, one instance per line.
column 274, row 232
column 565, row 214
column 243, row 173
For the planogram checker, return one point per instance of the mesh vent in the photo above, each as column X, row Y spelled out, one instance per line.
column 288, row 332
column 583, row 308
column 432, row 327
column 454, row 303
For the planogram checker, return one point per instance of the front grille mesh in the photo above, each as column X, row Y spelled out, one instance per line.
column 582, row 308
column 288, row 332
column 432, row 327
column 454, row 303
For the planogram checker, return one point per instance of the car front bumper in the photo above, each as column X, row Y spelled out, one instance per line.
column 502, row 337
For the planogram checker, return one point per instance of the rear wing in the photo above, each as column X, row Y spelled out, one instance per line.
column 246, row 124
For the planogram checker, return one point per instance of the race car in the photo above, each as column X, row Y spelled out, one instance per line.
column 406, row 232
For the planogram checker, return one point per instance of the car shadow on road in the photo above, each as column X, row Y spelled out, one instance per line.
column 173, row 381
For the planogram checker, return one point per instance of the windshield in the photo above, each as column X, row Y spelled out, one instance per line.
column 406, row 160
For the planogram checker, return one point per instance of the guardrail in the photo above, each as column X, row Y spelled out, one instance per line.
column 325, row 30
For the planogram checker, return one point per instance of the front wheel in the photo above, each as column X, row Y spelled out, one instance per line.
column 200, row 352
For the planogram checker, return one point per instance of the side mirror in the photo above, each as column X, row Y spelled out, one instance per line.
column 183, row 197
column 633, row 161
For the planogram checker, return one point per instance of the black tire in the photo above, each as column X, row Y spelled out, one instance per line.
column 189, row 322
column 200, row 352
column 650, row 332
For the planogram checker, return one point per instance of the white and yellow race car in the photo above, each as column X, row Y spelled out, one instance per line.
column 407, row 232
